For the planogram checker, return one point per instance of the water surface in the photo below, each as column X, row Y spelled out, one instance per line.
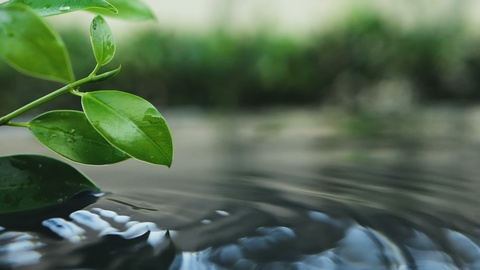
column 278, row 189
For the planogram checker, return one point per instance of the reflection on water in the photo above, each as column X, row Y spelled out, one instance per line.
column 278, row 190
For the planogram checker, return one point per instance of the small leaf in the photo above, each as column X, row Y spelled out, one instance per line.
column 54, row 7
column 71, row 135
column 131, row 124
column 29, row 182
column 134, row 10
column 29, row 45
column 102, row 41
column 106, row 75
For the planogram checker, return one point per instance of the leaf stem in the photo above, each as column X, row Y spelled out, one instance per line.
column 18, row 124
column 95, row 70
column 61, row 91
column 69, row 88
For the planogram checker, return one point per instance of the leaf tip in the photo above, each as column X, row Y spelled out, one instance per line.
column 113, row 9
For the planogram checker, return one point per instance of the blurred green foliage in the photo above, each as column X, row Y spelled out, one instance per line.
column 440, row 61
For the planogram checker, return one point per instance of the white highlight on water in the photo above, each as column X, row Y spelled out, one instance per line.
column 222, row 213
column 90, row 220
column 64, row 229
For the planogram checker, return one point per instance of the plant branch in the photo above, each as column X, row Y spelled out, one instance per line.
column 17, row 124
column 94, row 72
column 69, row 88
column 64, row 90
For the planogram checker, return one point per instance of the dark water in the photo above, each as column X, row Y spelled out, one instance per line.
column 276, row 190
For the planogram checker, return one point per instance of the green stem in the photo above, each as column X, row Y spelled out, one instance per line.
column 69, row 88
column 64, row 90
column 18, row 124
column 95, row 70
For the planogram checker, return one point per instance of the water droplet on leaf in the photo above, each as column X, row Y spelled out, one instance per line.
column 64, row 8
column 5, row 18
column 152, row 116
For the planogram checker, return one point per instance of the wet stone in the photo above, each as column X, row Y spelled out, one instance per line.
column 320, row 261
column 358, row 246
column 244, row 264
column 278, row 234
column 256, row 247
column 64, row 229
column 266, row 247
column 227, row 255
column 463, row 246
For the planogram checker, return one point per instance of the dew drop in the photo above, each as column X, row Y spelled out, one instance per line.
column 64, row 8
column 151, row 116
column 53, row 136
column 69, row 140
column 72, row 131
column 5, row 18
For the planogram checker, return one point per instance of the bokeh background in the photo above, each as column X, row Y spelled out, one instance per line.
column 228, row 54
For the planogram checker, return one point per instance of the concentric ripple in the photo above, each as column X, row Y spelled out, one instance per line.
column 104, row 239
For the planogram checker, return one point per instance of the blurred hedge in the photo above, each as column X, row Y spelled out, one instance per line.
column 441, row 62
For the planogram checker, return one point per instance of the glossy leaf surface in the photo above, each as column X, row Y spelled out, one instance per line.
column 29, row 45
column 102, row 40
column 29, row 182
column 71, row 135
column 134, row 10
column 130, row 123
column 54, row 7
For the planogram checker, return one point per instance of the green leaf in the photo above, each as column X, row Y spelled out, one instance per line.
column 102, row 41
column 106, row 75
column 71, row 135
column 29, row 45
column 29, row 182
column 54, row 7
column 131, row 124
column 134, row 10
